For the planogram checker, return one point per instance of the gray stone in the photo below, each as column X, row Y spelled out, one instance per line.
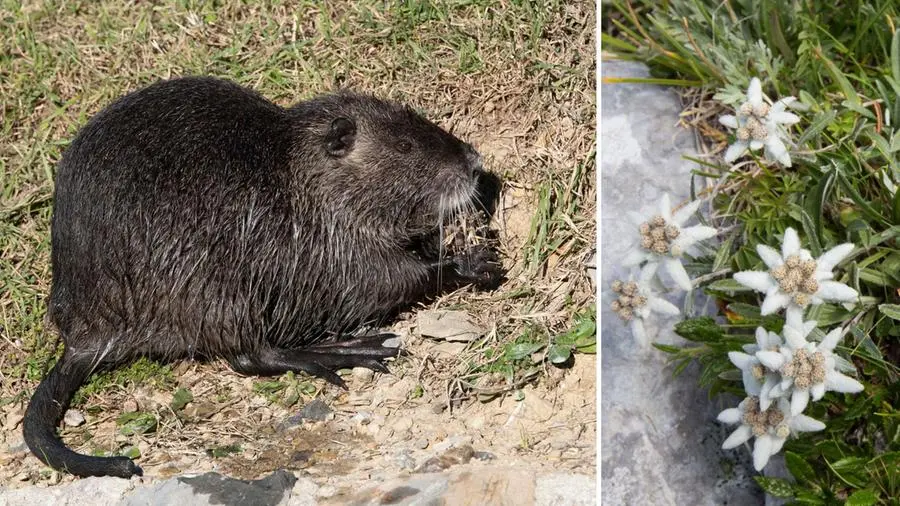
column 267, row 491
column 15, row 443
column 569, row 489
column 315, row 410
column 84, row 492
column 73, row 418
column 448, row 325
column 660, row 439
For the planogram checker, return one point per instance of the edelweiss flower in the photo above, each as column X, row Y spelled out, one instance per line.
column 759, row 125
column 758, row 380
column 807, row 367
column 636, row 301
column 664, row 239
column 794, row 280
column 770, row 427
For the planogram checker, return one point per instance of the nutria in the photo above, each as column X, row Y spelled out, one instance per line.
column 196, row 219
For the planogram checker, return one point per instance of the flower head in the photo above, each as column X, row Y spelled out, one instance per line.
column 759, row 126
column 771, row 427
column 635, row 301
column 794, row 279
column 806, row 368
column 758, row 380
column 663, row 239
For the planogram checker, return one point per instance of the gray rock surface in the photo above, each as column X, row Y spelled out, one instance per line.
column 464, row 484
column 660, row 441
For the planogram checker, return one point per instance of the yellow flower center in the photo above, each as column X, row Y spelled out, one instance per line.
column 805, row 369
column 629, row 299
column 657, row 237
column 797, row 278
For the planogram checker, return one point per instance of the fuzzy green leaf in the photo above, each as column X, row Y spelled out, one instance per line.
column 811, row 230
column 519, row 351
column 137, row 423
column 895, row 55
column 666, row 348
column 890, row 310
column 132, row 452
column 799, row 467
column 862, row 498
column 851, row 470
column 727, row 285
column 558, row 354
column 775, row 487
column 703, row 329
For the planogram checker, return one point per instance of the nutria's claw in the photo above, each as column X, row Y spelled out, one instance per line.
column 481, row 266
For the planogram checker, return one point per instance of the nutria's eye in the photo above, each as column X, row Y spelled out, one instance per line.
column 404, row 146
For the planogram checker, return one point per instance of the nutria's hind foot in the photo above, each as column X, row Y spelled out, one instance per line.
column 322, row 359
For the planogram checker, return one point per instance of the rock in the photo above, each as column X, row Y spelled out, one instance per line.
column 421, row 443
column 73, row 418
column 475, row 423
column 15, row 442
column 447, row 349
column 448, row 325
column 403, row 424
column 363, row 374
column 83, row 492
column 129, row 406
column 452, row 457
column 14, row 418
column 303, row 493
column 201, row 410
column 316, row 410
column 568, row 489
column 531, row 412
column 404, row 460
column 655, row 429
column 485, row 485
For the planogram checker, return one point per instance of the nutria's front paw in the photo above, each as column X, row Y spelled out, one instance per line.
column 480, row 266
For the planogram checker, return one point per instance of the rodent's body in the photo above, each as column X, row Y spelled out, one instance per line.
column 194, row 218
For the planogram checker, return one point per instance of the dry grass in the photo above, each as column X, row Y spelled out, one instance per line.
column 514, row 77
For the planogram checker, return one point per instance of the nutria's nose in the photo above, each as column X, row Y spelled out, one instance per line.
column 473, row 160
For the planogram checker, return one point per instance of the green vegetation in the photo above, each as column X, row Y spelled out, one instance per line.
column 514, row 77
column 842, row 61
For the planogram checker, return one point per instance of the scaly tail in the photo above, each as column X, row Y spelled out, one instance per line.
column 46, row 409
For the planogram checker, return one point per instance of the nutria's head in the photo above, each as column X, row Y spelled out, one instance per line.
column 392, row 168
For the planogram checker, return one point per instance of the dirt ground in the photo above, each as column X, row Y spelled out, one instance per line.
column 519, row 84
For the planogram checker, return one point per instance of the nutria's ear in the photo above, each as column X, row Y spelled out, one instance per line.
column 340, row 137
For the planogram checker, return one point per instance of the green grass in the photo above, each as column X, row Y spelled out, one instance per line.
column 61, row 62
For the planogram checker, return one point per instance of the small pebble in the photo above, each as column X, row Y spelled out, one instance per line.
column 13, row 419
column 363, row 374
column 130, row 406
column 54, row 478
column 15, row 443
column 421, row 443
column 403, row 425
column 73, row 418
column 438, row 407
